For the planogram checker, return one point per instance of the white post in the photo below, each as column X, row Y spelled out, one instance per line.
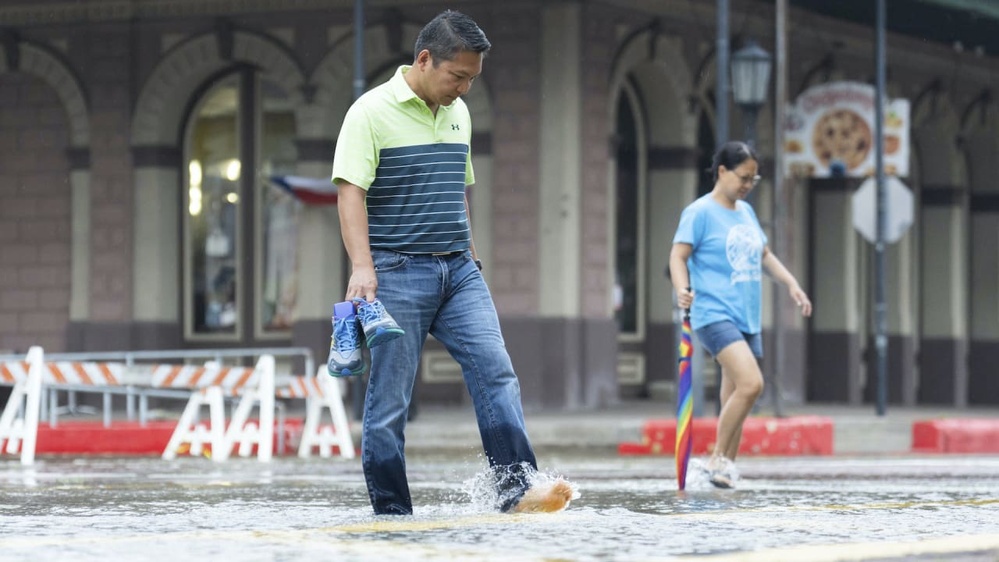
column 33, row 400
column 265, row 445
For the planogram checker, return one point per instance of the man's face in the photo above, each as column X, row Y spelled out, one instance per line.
column 450, row 78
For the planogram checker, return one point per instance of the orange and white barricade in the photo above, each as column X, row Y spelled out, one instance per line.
column 254, row 386
column 28, row 377
column 19, row 425
column 209, row 386
column 321, row 393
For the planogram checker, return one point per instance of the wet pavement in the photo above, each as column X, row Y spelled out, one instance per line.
column 867, row 507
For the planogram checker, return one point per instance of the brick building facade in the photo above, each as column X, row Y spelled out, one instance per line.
column 138, row 137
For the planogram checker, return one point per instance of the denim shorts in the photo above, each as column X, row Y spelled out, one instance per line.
column 719, row 335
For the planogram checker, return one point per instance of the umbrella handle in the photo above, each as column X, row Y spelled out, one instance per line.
column 686, row 311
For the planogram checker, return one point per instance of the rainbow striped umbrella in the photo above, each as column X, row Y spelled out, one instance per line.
column 684, row 405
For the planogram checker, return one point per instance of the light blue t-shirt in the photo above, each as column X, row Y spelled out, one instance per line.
column 726, row 264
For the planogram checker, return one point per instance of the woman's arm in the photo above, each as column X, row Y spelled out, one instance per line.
column 777, row 270
column 680, row 275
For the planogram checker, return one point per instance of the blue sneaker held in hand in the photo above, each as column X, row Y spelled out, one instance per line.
column 345, row 359
column 379, row 327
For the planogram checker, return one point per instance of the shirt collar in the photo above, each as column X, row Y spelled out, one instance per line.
column 403, row 93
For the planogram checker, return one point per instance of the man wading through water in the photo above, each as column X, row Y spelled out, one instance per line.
column 401, row 165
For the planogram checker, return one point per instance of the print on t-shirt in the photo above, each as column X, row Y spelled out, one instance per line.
column 744, row 249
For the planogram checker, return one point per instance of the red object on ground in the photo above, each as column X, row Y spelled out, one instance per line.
column 800, row 435
column 121, row 438
column 974, row 435
column 127, row 438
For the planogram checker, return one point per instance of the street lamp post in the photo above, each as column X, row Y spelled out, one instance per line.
column 750, row 83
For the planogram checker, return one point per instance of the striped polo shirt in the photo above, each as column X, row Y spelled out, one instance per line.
column 413, row 165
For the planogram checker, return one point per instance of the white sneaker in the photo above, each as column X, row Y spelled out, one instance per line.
column 722, row 472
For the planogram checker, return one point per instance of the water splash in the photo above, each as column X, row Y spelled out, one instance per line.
column 699, row 477
column 491, row 488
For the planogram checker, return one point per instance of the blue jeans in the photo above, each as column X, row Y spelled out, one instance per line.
column 445, row 296
column 718, row 335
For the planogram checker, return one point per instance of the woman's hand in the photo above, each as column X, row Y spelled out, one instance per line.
column 685, row 298
column 801, row 299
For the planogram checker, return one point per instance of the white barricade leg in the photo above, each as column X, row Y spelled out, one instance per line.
column 188, row 431
column 341, row 429
column 310, row 431
column 22, row 432
column 247, row 433
column 11, row 425
column 265, row 444
column 239, row 431
column 312, row 435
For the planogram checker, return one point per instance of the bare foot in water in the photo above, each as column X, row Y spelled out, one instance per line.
column 545, row 498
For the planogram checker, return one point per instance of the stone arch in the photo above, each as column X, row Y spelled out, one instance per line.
column 649, row 68
column 979, row 142
column 156, row 125
column 664, row 81
column 50, row 68
column 159, row 111
column 937, row 159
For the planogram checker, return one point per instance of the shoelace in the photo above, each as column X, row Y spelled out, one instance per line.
column 345, row 335
column 371, row 311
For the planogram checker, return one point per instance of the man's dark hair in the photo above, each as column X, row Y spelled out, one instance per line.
column 450, row 33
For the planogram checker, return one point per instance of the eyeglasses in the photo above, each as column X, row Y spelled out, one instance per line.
column 751, row 180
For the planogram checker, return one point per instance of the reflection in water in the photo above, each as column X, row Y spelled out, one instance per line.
column 113, row 508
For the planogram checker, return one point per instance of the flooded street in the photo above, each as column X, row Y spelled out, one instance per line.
column 629, row 509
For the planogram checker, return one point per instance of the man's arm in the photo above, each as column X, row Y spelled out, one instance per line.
column 363, row 282
column 471, row 239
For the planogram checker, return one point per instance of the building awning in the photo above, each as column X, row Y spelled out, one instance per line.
column 969, row 25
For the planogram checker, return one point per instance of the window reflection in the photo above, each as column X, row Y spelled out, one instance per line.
column 212, row 231
column 627, row 243
column 227, row 191
column 279, row 212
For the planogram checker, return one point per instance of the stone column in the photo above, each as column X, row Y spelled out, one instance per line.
column 983, row 385
column 156, row 242
column 322, row 260
column 561, row 154
column 943, row 345
column 834, row 373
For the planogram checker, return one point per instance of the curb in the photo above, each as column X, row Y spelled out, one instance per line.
column 956, row 436
column 800, row 435
column 131, row 438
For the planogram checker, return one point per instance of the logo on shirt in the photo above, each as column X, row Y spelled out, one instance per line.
column 455, row 127
column 744, row 249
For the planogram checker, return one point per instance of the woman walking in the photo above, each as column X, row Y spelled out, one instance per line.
column 718, row 254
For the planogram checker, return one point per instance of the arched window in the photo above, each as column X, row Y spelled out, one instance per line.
column 239, row 258
column 627, row 236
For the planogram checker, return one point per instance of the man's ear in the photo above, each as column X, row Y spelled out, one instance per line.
column 423, row 59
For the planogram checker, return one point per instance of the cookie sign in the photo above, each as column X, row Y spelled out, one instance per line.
column 829, row 132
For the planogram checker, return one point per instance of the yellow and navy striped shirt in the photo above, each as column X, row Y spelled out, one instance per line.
column 413, row 165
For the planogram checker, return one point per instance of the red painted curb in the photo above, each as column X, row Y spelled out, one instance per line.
column 800, row 435
column 127, row 438
column 91, row 438
column 975, row 435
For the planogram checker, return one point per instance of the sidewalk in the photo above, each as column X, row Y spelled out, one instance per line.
column 857, row 430
column 804, row 429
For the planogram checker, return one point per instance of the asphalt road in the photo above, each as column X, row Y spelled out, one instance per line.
column 891, row 507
